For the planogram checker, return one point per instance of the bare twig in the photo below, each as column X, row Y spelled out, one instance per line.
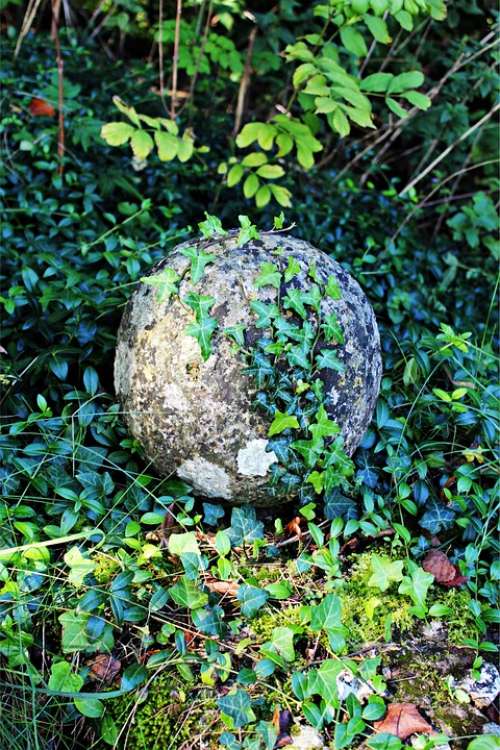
column 245, row 81
column 56, row 10
column 175, row 60
column 161, row 70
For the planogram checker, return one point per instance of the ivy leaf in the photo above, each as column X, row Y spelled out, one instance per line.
column 244, row 525
column 74, row 631
column 324, row 426
column 316, row 478
column 79, row 565
column 332, row 288
column 238, row 706
column 199, row 260
column 310, row 450
column 339, row 506
column 237, row 333
column 416, row 587
column 186, row 593
column 323, row 681
column 252, row 599
column 332, row 331
column 248, row 230
column 282, row 640
column 265, row 313
column 165, row 283
column 328, row 359
column 328, row 614
column 201, row 304
column 269, row 276
column 63, row 680
column 294, row 300
column 211, row 227
column 293, row 268
column 385, row 572
column 298, row 356
column 202, row 332
column 281, row 422
column 437, row 518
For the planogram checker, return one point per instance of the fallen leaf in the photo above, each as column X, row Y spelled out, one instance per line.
column 41, row 108
column 403, row 720
column 293, row 527
column 104, row 668
column 223, row 587
column 444, row 571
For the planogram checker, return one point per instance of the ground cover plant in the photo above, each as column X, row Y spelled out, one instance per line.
column 133, row 615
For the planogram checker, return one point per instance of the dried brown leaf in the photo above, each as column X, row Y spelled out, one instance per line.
column 403, row 720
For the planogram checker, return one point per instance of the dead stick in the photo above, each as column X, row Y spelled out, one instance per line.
column 245, row 80
column 175, row 61
column 56, row 9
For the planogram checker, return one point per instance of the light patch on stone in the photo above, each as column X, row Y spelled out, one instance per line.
column 206, row 477
column 254, row 460
column 123, row 367
column 174, row 398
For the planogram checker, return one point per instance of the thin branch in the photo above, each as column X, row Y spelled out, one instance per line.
column 245, row 81
column 56, row 10
column 450, row 148
column 161, row 70
column 175, row 60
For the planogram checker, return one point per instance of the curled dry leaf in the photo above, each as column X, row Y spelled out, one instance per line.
column 222, row 587
column 293, row 527
column 104, row 668
column 403, row 720
column 41, row 108
column 444, row 572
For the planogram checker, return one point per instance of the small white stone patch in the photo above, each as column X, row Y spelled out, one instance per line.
column 174, row 398
column 206, row 478
column 254, row 460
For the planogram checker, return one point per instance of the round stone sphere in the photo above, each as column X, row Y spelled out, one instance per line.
column 196, row 417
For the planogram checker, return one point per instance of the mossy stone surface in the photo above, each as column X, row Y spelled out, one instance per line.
column 195, row 417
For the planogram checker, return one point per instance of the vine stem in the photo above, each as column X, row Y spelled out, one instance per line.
column 56, row 10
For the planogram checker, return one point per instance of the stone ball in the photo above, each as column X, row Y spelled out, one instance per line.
column 196, row 417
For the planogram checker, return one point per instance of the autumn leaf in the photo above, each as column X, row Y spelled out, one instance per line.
column 104, row 668
column 41, row 108
column 223, row 587
column 444, row 571
column 403, row 720
column 293, row 527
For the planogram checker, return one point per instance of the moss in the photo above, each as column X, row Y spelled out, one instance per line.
column 105, row 567
column 459, row 620
column 262, row 627
column 168, row 717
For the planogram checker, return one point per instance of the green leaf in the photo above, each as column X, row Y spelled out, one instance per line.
column 222, row 543
column 282, row 422
column 328, row 360
column 323, row 681
column 201, row 304
column 251, row 185
column 134, row 676
column 395, row 107
column 328, row 614
column 340, row 123
column 63, row 680
column 294, row 300
column 90, row 707
column 378, row 28
column 324, row 105
column 235, row 174
column 384, row 741
column 142, row 144
column 211, row 227
column 310, row 450
column 117, row 133
column 324, row 426
column 165, row 283
column 199, row 260
column 404, row 19
column 109, row 730
column 282, row 640
column 269, row 275
column 74, row 631
column 331, row 329
column 252, row 599
column 417, row 99
column 263, row 196
column 203, row 331
column 186, row 593
column 377, row 82
column 282, row 195
column 238, row 706
column 353, row 41
column 255, row 159
column 270, row 171
column 244, row 526
column 181, row 544
column 167, row 145
column 185, row 148
column 237, row 333
column 249, row 134
column 293, row 268
column 416, row 586
column 304, row 156
column 412, row 79
column 79, row 565
column 385, row 572
column 332, row 288
column 316, row 478
column 279, row 589
column 265, row 312
column 486, row 742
